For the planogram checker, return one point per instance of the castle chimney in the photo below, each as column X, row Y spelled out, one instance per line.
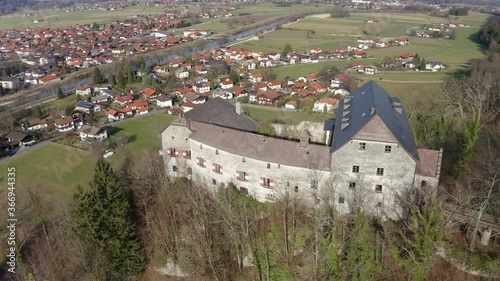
column 238, row 108
column 372, row 110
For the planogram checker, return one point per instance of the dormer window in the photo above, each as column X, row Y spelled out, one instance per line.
column 362, row 145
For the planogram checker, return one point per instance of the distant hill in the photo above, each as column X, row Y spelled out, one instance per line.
column 12, row 6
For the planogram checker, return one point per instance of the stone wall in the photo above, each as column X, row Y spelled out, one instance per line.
column 293, row 131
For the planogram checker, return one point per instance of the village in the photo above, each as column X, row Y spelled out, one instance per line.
column 185, row 83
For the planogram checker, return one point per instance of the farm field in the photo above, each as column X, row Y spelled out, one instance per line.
column 61, row 18
column 321, row 31
column 270, row 114
column 272, row 9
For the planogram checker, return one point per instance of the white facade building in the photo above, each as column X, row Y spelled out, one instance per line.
column 371, row 164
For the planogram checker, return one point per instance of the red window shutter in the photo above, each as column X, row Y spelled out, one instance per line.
column 237, row 175
column 169, row 151
column 271, row 183
column 221, row 170
column 213, row 167
column 247, row 176
column 176, row 153
column 198, row 161
column 261, row 181
column 184, row 154
column 204, row 163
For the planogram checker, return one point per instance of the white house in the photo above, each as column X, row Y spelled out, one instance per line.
column 329, row 103
column 163, row 101
column 92, row 133
column 227, row 84
column 9, row 83
column 434, row 66
column 291, row 104
column 84, row 91
column 181, row 73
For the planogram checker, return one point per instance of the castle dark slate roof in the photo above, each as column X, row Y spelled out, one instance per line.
column 263, row 148
column 220, row 112
column 361, row 106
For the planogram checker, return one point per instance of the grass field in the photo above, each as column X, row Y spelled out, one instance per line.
column 143, row 133
column 61, row 18
column 320, row 31
column 56, row 169
column 271, row 114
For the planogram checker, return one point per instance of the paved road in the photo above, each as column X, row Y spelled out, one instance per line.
column 44, row 143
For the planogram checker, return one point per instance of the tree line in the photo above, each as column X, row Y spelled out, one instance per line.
column 489, row 34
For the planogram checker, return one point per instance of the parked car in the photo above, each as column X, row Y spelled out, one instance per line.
column 108, row 154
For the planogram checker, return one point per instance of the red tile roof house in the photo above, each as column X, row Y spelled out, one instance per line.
column 261, row 86
column 274, row 85
column 49, row 78
column 124, row 99
column 329, row 103
column 227, row 84
column 239, row 92
column 291, row 104
column 113, row 115
column 150, row 93
column 268, row 97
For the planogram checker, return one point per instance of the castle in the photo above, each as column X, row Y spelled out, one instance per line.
column 370, row 162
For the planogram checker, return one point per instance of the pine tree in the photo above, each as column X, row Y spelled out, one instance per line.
column 120, row 80
column 101, row 218
column 286, row 50
column 422, row 64
column 98, row 79
column 112, row 80
column 39, row 112
column 60, row 93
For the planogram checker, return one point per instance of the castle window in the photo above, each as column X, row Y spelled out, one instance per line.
column 268, row 166
column 379, row 204
column 201, row 162
column 242, row 176
column 341, row 200
column 201, row 146
column 352, row 185
column 314, row 184
column 380, row 171
column 216, row 152
column 378, row 188
column 243, row 190
column 265, row 182
column 362, row 145
column 355, row 169
column 243, row 160
column 424, row 183
column 174, row 169
column 388, row 149
column 214, row 182
column 296, row 188
column 217, row 169
column 222, row 185
column 188, row 154
column 190, row 171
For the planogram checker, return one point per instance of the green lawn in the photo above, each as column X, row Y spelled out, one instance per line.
column 54, row 169
column 143, row 133
column 297, row 70
column 272, row 114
